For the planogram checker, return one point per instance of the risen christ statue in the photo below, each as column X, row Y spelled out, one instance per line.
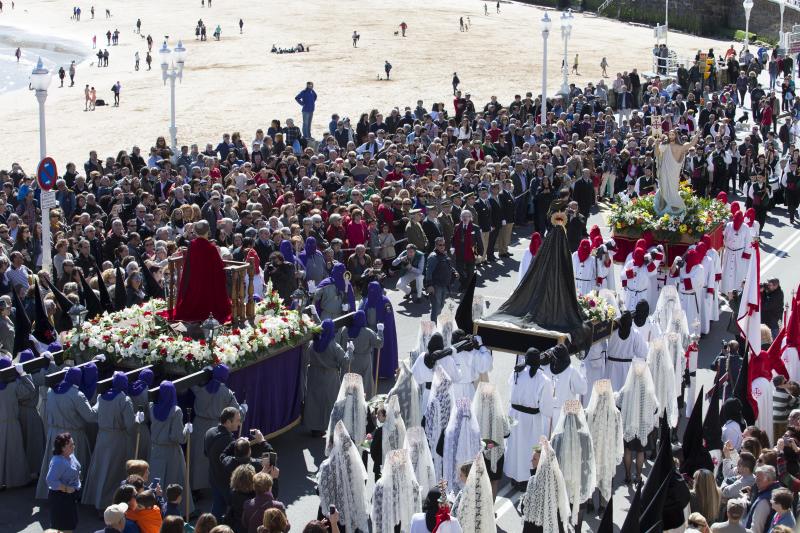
column 670, row 154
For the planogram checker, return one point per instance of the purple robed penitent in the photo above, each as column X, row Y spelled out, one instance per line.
column 384, row 314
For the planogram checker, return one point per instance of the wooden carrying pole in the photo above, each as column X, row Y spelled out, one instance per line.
column 138, row 436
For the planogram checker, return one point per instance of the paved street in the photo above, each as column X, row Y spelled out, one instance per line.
column 300, row 455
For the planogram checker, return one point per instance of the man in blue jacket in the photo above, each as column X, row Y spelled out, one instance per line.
column 307, row 98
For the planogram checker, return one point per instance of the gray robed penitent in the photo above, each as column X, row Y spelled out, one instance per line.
column 31, row 423
column 68, row 412
column 322, row 385
column 14, row 470
column 207, row 408
column 167, row 461
column 364, row 345
column 115, row 423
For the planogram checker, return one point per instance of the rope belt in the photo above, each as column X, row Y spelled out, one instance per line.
column 618, row 360
column 580, row 279
column 735, row 249
column 524, row 409
column 428, row 385
column 633, row 291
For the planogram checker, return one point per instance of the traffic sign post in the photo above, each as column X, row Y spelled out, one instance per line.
column 46, row 176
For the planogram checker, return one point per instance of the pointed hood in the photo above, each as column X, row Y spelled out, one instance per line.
column 584, row 250
column 464, row 312
column 664, row 465
column 695, row 454
column 738, row 219
column 651, row 520
column 43, row 329
column 631, row 524
column 151, row 286
column 536, row 242
column 63, row 321
column 105, row 297
column 712, row 425
column 91, row 301
column 793, row 326
column 22, row 324
column 744, row 393
column 120, row 294
column 607, row 522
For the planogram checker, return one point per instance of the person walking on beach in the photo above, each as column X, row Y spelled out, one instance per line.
column 403, row 28
column 149, row 42
column 604, row 66
column 94, row 42
column 18, row 54
column 108, row 37
column 92, row 99
column 139, row 26
column 217, row 31
column 388, row 68
column 72, row 74
column 241, row 26
column 461, row 23
column 105, row 57
column 115, row 37
column 99, row 58
column 108, row 13
column 86, row 97
column 136, row 59
column 116, row 88
column 61, row 75
column 498, row 7
column 485, row 9
column 456, row 81
column 575, row 66
column 307, row 98
column 149, row 60
column 78, row 14
column 92, row 12
column 356, row 37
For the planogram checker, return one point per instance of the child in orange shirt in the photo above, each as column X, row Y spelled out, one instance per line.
column 147, row 515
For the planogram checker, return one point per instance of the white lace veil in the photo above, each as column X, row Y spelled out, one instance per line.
column 445, row 325
column 462, row 442
column 394, row 429
column 605, row 424
column 677, row 340
column 417, row 446
column 487, row 406
column 397, row 494
column 572, row 442
column 475, row 510
column 545, row 499
column 639, row 403
column 437, row 414
column 478, row 306
column 426, row 329
column 342, row 480
column 350, row 408
column 663, row 373
column 408, row 395
column 667, row 303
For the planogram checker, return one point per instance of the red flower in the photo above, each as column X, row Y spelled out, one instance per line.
column 216, row 360
column 106, row 338
column 272, row 342
column 236, row 331
column 67, row 344
column 285, row 319
column 202, row 342
column 189, row 356
column 163, row 351
column 170, row 339
column 147, row 313
column 145, row 345
column 187, row 339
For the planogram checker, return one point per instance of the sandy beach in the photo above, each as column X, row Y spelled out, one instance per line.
column 235, row 84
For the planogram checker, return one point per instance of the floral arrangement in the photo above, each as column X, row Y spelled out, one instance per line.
column 595, row 308
column 142, row 336
column 636, row 215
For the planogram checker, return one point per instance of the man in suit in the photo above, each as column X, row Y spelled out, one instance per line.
column 624, row 104
column 447, row 221
column 519, row 179
column 414, row 232
column 467, row 247
column 496, row 218
column 583, row 192
column 484, row 213
column 507, row 210
column 431, row 227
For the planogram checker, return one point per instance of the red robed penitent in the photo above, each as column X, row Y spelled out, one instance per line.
column 202, row 289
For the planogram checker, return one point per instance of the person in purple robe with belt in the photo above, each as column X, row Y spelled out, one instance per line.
column 379, row 311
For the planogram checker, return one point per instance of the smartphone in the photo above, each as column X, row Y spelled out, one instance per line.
column 331, row 509
column 273, row 458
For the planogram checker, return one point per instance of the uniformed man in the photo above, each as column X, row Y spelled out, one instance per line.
column 414, row 232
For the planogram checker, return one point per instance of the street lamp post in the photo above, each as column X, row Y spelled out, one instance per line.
column 781, row 43
column 40, row 81
column 748, row 6
column 566, row 30
column 546, row 23
column 172, row 62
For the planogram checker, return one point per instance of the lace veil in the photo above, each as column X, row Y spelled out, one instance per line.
column 394, row 429
column 605, row 425
column 663, row 374
column 572, row 443
column 350, row 408
column 408, row 395
column 462, row 442
column 342, row 480
column 397, row 494
column 545, row 500
column 639, row 403
column 475, row 510
column 421, row 459
column 492, row 420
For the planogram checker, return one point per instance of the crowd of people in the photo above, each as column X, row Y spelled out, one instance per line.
column 425, row 197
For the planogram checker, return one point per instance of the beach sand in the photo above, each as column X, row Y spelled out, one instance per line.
column 235, row 84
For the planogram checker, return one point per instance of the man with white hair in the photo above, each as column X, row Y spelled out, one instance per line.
column 466, row 247
column 760, row 513
column 114, row 518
